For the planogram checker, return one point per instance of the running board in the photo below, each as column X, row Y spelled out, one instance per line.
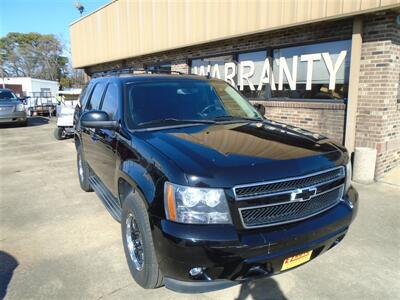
column 109, row 201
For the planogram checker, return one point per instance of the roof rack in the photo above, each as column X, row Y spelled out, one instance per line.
column 133, row 71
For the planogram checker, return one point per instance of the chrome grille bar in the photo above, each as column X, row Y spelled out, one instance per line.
column 269, row 188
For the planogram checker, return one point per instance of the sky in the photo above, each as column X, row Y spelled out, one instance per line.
column 42, row 16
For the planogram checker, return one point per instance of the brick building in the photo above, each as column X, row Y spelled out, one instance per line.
column 332, row 67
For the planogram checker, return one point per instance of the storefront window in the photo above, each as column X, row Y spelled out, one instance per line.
column 309, row 72
column 221, row 67
column 249, row 74
column 166, row 67
column 318, row 71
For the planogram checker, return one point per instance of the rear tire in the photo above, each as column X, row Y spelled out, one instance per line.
column 83, row 172
column 59, row 133
column 138, row 243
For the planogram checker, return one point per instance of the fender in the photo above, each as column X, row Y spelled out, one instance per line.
column 139, row 179
column 77, row 140
column 140, row 166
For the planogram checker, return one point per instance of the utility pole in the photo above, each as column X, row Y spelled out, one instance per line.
column 2, row 52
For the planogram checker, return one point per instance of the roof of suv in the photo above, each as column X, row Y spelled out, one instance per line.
column 153, row 77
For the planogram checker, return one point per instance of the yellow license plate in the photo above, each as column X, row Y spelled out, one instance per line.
column 296, row 260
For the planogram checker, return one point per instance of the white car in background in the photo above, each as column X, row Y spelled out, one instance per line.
column 69, row 99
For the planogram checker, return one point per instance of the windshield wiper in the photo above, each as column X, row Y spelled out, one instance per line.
column 229, row 118
column 174, row 120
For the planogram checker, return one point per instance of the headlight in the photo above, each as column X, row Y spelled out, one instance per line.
column 348, row 176
column 191, row 205
column 20, row 107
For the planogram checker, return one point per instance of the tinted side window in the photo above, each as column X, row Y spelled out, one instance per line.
column 110, row 102
column 83, row 95
column 95, row 99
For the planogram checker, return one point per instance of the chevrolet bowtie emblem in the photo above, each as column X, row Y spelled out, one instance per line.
column 303, row 194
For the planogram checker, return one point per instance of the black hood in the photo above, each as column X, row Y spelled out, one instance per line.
column 225, row 155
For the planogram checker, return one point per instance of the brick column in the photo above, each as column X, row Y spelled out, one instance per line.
column 378, row 114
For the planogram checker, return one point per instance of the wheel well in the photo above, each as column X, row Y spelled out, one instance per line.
column 124, row 189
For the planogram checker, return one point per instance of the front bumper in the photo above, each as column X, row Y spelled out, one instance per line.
column 229, row 256
column 14, row 117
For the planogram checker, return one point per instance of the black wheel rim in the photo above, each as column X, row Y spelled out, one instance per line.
column 134, row 242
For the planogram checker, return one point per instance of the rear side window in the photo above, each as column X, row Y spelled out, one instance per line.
column 95, row 99
column 83, row 95
column 110, row 102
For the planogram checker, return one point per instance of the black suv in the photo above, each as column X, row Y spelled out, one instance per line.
column 208, row 192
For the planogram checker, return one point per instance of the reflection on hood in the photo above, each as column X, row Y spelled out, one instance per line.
column 252, row 141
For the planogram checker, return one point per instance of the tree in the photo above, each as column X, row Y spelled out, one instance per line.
column 33, row 55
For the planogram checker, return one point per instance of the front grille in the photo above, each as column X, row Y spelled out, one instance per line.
column 6, row 109
column 291, row 199
column 260, row 216
column 259, row 190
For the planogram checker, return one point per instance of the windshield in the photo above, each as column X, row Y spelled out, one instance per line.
column 181, row 101
column 7, row 95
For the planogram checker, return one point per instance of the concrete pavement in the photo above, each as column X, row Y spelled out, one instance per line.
column 58, row 242
column 392, row 177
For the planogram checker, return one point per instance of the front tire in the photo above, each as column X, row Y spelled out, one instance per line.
column 138, row 243
column 83, row 172
column 24, row 123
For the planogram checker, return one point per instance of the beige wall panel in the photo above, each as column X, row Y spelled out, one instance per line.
column 129, row 28
column 318, row 8
column 368, row 4
column 122, row 24
column 334, row 7
column 175, row 24
column 134, row 30
column 196, row 24
column 224, row 22
column 303, row 10
column 211, row 19
column 160, row 21
column 274, row 13
column 262, row 14
column 289, row 10
column 351, row 5
column 253, row 21
column 389, row 2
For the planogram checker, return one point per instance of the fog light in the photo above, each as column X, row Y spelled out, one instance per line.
column 196, row 271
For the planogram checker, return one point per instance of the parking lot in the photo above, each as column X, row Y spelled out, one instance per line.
column 58, row 242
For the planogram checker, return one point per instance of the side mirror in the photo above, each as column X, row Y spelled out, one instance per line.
column 97, row 119
column 260, row 108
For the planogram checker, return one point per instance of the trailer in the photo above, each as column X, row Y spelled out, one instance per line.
column 40, row 104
